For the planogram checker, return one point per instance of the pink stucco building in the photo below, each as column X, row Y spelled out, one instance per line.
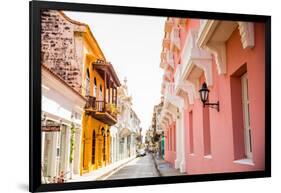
column 229, row 56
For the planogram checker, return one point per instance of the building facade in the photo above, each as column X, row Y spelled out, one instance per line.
column 61, row 128
column 62, row 100
column 172, row 115
column 229, row 57
column 70, row 51
column 158, row 132
column 126, row 130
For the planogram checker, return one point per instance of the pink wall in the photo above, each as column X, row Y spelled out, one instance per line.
column 170, row 144
column 226, row 126
column 190, row 24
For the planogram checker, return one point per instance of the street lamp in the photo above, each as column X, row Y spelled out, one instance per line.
column 204, row 95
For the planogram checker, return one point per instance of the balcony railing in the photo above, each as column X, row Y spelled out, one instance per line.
column 101, row 110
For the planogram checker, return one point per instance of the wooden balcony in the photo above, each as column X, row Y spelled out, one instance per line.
column 102, row 111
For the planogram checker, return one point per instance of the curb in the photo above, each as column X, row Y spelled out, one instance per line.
column 156, row 166
column 114, row 170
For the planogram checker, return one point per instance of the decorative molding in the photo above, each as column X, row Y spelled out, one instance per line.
column 171, row 114
column 218, row 48
column 206, row 29
column 168, row 26
column 206, row 66
column 175, row 39
column 182, row 23
column 219, row 51
column 170, row 59
column 247, row 34
column 175, row 101
column 166, row 43
column 194, row 56
column 189, row 88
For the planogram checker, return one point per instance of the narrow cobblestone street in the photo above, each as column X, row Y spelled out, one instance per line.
column 141, row 167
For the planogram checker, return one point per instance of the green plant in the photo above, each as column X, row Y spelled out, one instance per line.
column 72, row 141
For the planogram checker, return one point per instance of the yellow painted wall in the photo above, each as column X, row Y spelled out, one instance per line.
column 90, row 124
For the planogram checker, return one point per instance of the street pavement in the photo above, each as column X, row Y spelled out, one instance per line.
column 166, row 169
column 141, row 167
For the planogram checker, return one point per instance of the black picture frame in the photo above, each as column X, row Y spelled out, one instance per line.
column 35, row 7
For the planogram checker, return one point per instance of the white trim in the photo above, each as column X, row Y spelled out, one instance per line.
column 244, row 162
column 217, row 47
column 192, row 56
column 208, row 156
column 189, row 88
column 206, row 29
column 247, row 34
column 246, row 117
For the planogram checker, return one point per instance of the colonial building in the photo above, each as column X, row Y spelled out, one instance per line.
column 172, row 115
column 61, row 128
column 62, row 100
column 70, row 51
column 228, row 59
column 126, row 130
column 158, row 132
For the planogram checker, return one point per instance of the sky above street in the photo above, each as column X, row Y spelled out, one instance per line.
column 133, row 45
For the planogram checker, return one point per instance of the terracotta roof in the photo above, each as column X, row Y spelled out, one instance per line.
column 108, row 66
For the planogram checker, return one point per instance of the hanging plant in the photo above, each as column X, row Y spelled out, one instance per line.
column 72, row 141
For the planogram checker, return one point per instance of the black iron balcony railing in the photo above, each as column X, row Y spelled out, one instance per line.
column 101, row 110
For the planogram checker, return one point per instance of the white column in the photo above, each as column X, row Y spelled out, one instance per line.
column 182, row 135
column 67, row 150
column 178, row 143
column 117, row 147
column 52, row 155
column 131, row 145
column 77, row 151
column 114, row 148
column 125, row 153
column 42, row 147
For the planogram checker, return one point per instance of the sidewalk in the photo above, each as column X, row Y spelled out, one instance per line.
column 165, row 168
column 100, row 173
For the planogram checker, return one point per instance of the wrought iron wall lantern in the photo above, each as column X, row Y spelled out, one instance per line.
column 204, row 95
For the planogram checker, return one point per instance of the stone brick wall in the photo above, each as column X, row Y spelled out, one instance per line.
column 61, row 47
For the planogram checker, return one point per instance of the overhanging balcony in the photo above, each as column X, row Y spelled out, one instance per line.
column 175, row 39
column 213, row 35
column 195, row 61
column 171, row 101
column 100, row 110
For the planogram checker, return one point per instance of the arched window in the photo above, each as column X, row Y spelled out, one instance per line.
column 93, row 147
